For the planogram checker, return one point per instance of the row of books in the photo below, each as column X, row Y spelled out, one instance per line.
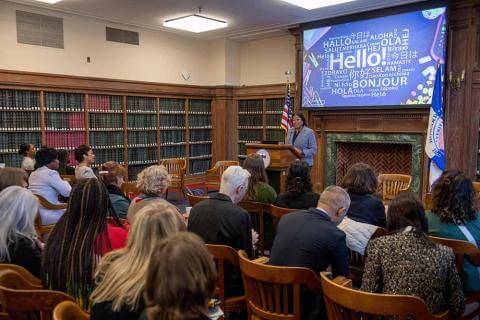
column 172, row 136
column 109, row 139
column 199, row 120
column 275, row 135
column 134, row 170
column 64, row 140
column 171, row 105
column 200, row 135
column 242, row 149
column 273, row 105
column 19, row 100
column 11, row 159
column 169, row 152
column 104, row 155
column 101, row 103
column 273, row 120
column 199, row 165
column 102, row 121
column 64, row 121
column 141, row 104
column 172, row 120
column 142, row 121
column 13, row 120
column 142, row 155
column 11, row 141
column 250, row 120
column 196, row 105
column 250, row 135
column 250, row 106
column 142, row 138
column 63, row 101
column 200, row 149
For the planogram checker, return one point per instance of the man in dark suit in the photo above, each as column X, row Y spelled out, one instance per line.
column 219, row 220
column 311, row 239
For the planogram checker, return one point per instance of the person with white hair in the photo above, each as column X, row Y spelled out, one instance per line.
column 18, row 237
column 219, row 220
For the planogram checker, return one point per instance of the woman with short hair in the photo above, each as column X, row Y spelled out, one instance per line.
column 361, row 183
column 112, row 175
column 121, row 275
column 82, row 235
column 18, row 237
column 85, row 158
column 28, row 151
column 180, row 280
column 454, row 216
column 407, row 262
column 13, row 177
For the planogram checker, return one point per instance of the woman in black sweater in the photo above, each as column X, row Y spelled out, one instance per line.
column 361, row 183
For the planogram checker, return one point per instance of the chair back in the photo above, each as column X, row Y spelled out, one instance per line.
column 214, row 175
column 44, row 229
column 68, row 310
column 428, row 201
column 462, row 250
column 392, row 184
column 257, row 211
column 50, row 206
column 278, row 212
column 21, row 300
column 344, row 303
column 70, row 178
column 222, row 254
column 24, row 273
column 130, row 190
column 175, row 167
column 275, row 292
column 193, row 200
column 357, row 261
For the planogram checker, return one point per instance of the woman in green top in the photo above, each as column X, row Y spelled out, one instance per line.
column 453, row 216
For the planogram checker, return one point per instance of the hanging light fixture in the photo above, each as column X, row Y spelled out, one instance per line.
column 315, row 4
column 195, row 23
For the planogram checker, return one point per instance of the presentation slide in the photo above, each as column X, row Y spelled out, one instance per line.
column 387, row 61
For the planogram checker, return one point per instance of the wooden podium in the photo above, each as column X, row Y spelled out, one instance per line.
column 281, row 156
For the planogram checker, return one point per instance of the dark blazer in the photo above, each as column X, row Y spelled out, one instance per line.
column 103, row 311
column 310, row 239
column 218, row 220
column 304, row 201
column 26, row 254
column 367, row 208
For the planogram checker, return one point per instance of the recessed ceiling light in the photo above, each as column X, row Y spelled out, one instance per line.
column 315, row 4
column 49, row 1
column 195, row 23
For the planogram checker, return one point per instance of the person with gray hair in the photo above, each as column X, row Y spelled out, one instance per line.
column 18, row 238
column 310, row 238
column 219, row 220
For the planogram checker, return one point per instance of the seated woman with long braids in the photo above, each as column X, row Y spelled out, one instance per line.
column 81, row 236
column 121, row 275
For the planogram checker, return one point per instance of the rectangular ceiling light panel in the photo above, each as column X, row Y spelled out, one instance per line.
column 49, row 1
column 195, row 23
column 315, row 4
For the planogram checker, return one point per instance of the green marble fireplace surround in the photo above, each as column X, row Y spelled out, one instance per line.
column 415, row 140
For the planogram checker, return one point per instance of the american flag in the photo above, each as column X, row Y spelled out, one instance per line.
column 287, row 112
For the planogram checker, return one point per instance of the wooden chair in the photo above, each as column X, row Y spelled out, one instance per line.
column 130, row 190
column 193, row 200
column 214, row 175
column 464, row 250
column 177, row 169
column 23, row 301
column 357, row 261
column 24, row 273
column 222, row 254
column 70, row 178
column 257, row 212
column 275, row 292
column 278, row 212
column 428, row 201
column 45, row 229
column 68, row 310
column 344, row 303
column 392, row 184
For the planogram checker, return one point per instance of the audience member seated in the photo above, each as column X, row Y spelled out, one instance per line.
column 298, row 191
column 79, row 239
column 64, row 168
column 311, row 239
column 258, row 188
column 28, row 152
column 85, row 157
column 407, row 262
column 453, row 216
column 112, row 175
column 13, row 177
column 121, row 275
column 46, row 182
column 361, row 183
column 181, row 279
column 219, row 220
column 18, row 238
column 152, row 183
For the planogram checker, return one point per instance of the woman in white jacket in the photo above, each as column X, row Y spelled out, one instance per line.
column 46, row 182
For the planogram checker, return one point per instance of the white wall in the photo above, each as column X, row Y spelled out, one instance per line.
column 161, row 56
